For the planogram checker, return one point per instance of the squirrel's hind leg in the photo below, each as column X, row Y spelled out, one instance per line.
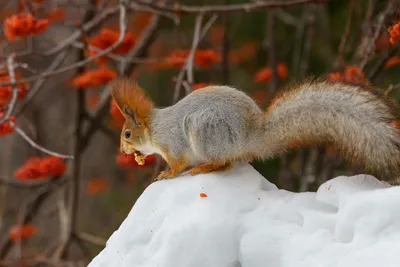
column 176, row 168
column 209, row 167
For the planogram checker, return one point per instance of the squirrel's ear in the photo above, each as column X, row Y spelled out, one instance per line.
column 131, row 100
column 130, row 114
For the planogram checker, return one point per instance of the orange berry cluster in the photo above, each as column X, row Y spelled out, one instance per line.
column 108, row 38
column 265, row 74
column 6, row 128
column 22, row 232
column 22, row 25
column 40, row 168
column 394, row 33
column 6, row 90
column 351, row 74
column 203, row 58
column 94, row 78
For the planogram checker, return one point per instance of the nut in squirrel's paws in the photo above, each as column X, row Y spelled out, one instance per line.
column 139, row 158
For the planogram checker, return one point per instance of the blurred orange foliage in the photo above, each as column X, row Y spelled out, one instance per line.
column 394, row 33
column 6, row 90
column 246, row 52
column 22, row 25
column 22, row 232
column 94, row 78
column 260, row 96
column 92, row 100
column 108, row 38
column 97, row 186
column 393, row 61
column 351, row 74
column 6, row 128
column 203, row 58
column 56, row 15
column 40, row 168
column 197, row 86
column 265, row 74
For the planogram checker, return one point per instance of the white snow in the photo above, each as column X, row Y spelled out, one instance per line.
column 245, row 221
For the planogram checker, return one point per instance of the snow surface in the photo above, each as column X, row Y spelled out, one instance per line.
column 245, row 221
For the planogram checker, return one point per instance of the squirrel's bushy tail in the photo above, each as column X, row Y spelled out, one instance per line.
column 355, row 121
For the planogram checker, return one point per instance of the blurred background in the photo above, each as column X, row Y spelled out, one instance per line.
column 58, row 56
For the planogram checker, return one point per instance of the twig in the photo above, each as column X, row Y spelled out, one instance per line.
column 21, row 133
column 30, row 185
column 14, row 96
column 390, row 9
column 298, row 43
column 207, row 26
column 33, row 211
column 286, row 17
column 346, row 33
column 92, row 239
column 86, row 27
column 135, row 7
column 304, row 64
column 272, row 51
column 38, row 84
column 225, row 48
column 245, row 7
column 374, row 73
column 195, row 43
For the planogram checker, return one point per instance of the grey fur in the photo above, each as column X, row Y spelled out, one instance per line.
column 218, row 117
column 220, row 123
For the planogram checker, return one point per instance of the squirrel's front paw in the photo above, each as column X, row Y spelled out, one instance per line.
column 165, row 175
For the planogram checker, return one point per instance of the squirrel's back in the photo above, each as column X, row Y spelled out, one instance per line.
column 213, row 121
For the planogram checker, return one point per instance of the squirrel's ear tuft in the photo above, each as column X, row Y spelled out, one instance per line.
column 131, row 100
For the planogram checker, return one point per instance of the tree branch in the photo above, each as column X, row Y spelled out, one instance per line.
column 245, row 7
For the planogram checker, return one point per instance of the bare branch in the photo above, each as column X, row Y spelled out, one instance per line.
column 370, row 46
column 272, row 51
column 38, row 147
column 374, row 73
column 85, row 28
column 92, row 239
column 38, row 84
column 137, row 7
column 16, row 184
column 346, row 32
column 35, row 206
column 14, row 96
column 195, row 43
column 245, row 7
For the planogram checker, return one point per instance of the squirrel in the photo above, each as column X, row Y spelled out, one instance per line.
column 213, row 127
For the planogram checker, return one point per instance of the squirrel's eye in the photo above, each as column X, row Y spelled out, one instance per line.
column 127, row 134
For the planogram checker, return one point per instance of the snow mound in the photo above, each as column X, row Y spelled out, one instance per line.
column 245, row 221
